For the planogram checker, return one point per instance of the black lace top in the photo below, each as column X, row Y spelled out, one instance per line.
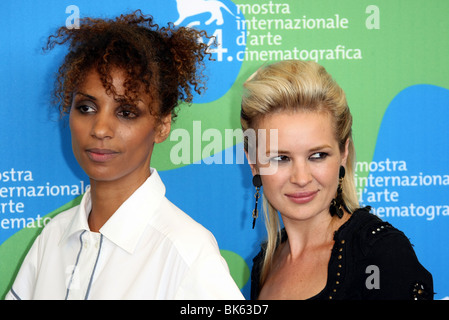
column 370, row 259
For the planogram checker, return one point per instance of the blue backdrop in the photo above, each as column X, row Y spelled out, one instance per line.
column 390, row 57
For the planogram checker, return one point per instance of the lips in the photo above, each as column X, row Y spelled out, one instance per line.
column 101, row 155
column 302, row 197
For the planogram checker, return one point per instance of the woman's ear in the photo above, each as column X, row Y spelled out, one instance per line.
column 252, row 165
column 163, row 128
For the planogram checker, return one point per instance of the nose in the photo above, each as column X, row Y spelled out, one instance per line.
column 300, row 174
column 102, row 126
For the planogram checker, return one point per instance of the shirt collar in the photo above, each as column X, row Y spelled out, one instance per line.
column 126, row 226
column 79, row 220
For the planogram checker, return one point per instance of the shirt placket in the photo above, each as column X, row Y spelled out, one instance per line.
column 83, row 271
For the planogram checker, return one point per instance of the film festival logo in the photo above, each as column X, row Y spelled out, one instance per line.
column 188, row 9
column 191, row 8
column 218, row 19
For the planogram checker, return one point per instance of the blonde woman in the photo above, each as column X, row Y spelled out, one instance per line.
column 329, row 248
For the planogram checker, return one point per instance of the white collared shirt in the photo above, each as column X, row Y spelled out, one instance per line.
column 148, row 249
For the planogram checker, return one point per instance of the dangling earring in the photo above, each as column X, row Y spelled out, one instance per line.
column 337, row 204
column 257, row 182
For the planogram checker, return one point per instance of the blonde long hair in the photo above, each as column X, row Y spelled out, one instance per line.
column 293, row 85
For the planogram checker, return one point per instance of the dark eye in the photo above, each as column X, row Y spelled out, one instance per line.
column 83, row 108
column 318, row 156
column 128, row 113
column 280, row 158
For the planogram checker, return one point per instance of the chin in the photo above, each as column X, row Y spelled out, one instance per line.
column 101, row 175
column 305, row 212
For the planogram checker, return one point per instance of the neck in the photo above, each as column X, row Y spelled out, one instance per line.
column 107, row 197
column 312, row 233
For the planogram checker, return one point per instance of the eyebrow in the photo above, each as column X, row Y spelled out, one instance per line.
column 277, row 152
column 86, row 95
column 93, row 98
column 324, row 146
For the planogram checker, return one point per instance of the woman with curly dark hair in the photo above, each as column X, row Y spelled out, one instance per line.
column 120, row 84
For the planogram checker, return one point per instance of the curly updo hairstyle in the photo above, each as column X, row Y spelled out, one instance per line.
column 164, row 62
